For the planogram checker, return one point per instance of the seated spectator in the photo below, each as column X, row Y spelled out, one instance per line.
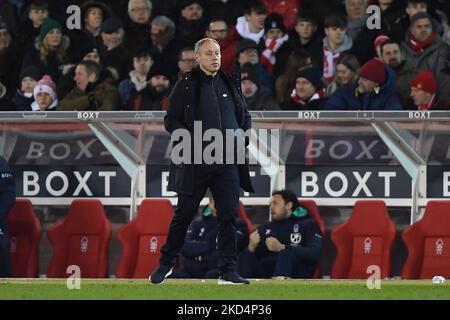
column 165, row 47
column 251, row 25
column 356, row 16
column 90, row 93
column 335, row 44
column 347, row 67
column 305, row 36
column 51, row 51
column 145, row 89
column 425, row 50
column 199, row 248
column 375, row 90
column 28, row 80
column 298, row 60
column 45, row 98
column 247, row 52
column 256, row 98
column 116, row 54
column 88, row 52
column 227, row 39
column 288, row 246
column 192, row 23
column 186, row 61
column 392, row 55
column 138, row 23
column 273, row 46
column 424, row 93
column 93, row 14
column 402, row 25
column 307, row 91
column 35, row 14
column 9, row 58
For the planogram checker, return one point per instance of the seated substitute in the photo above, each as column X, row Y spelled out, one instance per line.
column 288, row 246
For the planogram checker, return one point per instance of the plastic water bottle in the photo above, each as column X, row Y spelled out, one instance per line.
column 438, row 279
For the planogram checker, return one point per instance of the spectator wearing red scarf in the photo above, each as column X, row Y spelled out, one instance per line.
column 425, row 50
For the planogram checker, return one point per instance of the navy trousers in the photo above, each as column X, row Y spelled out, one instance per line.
column 5, row 267
column 283, row 264
column 223, row 181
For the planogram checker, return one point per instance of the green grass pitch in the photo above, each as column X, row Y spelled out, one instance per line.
column 209, row 290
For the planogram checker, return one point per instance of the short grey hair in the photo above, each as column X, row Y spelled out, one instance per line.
column 201, row 42
column 166, row 23
column 148, row 3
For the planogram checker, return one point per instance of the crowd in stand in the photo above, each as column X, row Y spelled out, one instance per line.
column 291, row 54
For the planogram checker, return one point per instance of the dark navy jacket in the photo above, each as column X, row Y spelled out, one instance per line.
column 300, row 235
column 185, row 108
column 200, row 244
column 7, row 189
column 347, row 98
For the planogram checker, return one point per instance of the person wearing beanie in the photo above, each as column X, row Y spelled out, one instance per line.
column 247, row 51
column 423, row 90
column 51, row 51
column 424, row 49
column 307, row 91
column 256, row 98
column 90, row 93
column 273, row 46
column 44, row 94
column 335, row 44
column 347, row 67
column 375, row 90
column 28, row 80
column 192, row 23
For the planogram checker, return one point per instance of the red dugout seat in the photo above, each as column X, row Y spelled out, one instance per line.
column 24, row 236
column 363, row 240
column 81, row 239
column 428, row 243
column 313, row 210
column 142, row 238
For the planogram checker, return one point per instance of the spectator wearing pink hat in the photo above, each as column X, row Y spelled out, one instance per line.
column 45, row 95
column 379, row 41
column 375, row 90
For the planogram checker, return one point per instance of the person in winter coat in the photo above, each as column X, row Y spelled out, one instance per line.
column 51, row 52
column 90, row 93
column 273, row 47
column 257, row 98
column 288, row 246
column 192, row 22
column 28, row 79
column 347, row 67
column 335, row 44
column 44, row 93
column 375, row 90
column 424, row 93
column 307, row 91
column 425, row 50
column 251, row 24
